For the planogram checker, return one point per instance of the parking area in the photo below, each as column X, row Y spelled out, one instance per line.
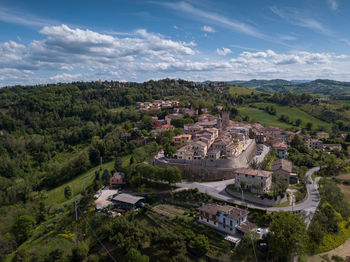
column 103, row 201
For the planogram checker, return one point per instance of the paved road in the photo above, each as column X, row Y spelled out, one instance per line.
column 217, row 190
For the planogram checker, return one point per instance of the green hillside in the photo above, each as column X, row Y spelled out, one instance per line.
column 238, row 90
column 293, row 113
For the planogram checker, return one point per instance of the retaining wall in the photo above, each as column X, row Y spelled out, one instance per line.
column 257, row 200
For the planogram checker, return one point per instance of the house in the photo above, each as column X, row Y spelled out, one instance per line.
column 316, row 144
column 281, row 149
column 165, row 128
column 322, row 135
column 229, row 219
column 332, row 147
column 181, row 140
column 213, row 154
column 257, row 181
column 188, row 111
column 185, row 153
column 283, row 168
column 127, row 201
column 192, row 128
column 170, row 117
column 117, row 180
column 125, row 136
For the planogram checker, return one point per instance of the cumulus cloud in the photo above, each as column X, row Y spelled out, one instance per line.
column 223, row 51
column 69, row 54
column 208, row 29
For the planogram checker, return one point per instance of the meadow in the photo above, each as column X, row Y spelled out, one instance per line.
column 294, row 113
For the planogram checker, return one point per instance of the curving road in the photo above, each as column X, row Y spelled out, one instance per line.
column 217, row 190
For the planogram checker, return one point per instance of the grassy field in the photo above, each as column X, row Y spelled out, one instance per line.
column 238, row 90
column 294, row 113
column 345, row 190
column 56, row 195
column 343, row 251
column 344, row 176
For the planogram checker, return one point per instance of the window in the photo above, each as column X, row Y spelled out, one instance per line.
column 207, row 220
column 231, row 228
column 224, row 226
column 231, row 223
column 224, row 221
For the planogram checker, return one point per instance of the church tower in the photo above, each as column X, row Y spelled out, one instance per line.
column 225, row 119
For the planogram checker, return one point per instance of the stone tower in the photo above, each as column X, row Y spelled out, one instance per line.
column 219, row 123
column 225, row 119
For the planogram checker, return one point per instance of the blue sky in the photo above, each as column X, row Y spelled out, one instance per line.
column 63, row 41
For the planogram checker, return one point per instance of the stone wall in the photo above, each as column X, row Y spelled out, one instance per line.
column 207, row 169
column 257, row 200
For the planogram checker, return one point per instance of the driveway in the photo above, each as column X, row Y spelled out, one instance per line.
column 217, row 190
column 102, row 200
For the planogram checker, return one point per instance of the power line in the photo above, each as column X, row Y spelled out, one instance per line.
column 93, row 232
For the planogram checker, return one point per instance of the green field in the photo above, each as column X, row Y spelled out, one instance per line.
column 238, row 90
column 293, row 113
column 56, row 195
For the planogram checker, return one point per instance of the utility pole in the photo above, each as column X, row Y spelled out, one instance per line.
column 76, row 209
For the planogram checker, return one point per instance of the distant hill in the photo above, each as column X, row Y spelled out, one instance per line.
column 322, row 87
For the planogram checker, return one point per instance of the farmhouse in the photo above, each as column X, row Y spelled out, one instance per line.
column 229, row 219
column 283, row 168
column 127, row 201
column 257, row 181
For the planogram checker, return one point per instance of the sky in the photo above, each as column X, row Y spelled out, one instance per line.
column 138, row 40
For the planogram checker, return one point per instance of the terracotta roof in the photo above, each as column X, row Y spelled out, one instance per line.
column 246, row 227
column 282, row 164
column 230, row 211
column 236, row 213
column 279, row 145
column 212, row 209
column 253, row 172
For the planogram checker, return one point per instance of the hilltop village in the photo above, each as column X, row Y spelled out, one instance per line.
column 190, row 177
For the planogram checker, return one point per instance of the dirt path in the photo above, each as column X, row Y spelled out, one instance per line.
column 343, row 251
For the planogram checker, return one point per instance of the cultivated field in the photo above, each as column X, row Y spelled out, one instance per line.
column 343, row 251
column 345, row 190
column 272, row 120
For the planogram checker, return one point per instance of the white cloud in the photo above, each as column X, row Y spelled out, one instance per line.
column 288, row 37
column 218, row 19
column 333, row 4
column 13, row 16
column 294, row 16
column 68, row 54
column 223, row 51
column 66, row 77
column 208, row 29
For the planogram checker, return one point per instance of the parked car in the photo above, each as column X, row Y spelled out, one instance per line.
column 258, row 230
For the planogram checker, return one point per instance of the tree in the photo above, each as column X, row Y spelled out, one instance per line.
column 118, row 164
column 134, row 255
column 309, row 126
column 298, row 122
column 106, row 176
column 23, row 228
column 68, row 192
column 79, row 253
column 287, row 235
column 243, row 183
column 201, row 244
column 245, row 250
